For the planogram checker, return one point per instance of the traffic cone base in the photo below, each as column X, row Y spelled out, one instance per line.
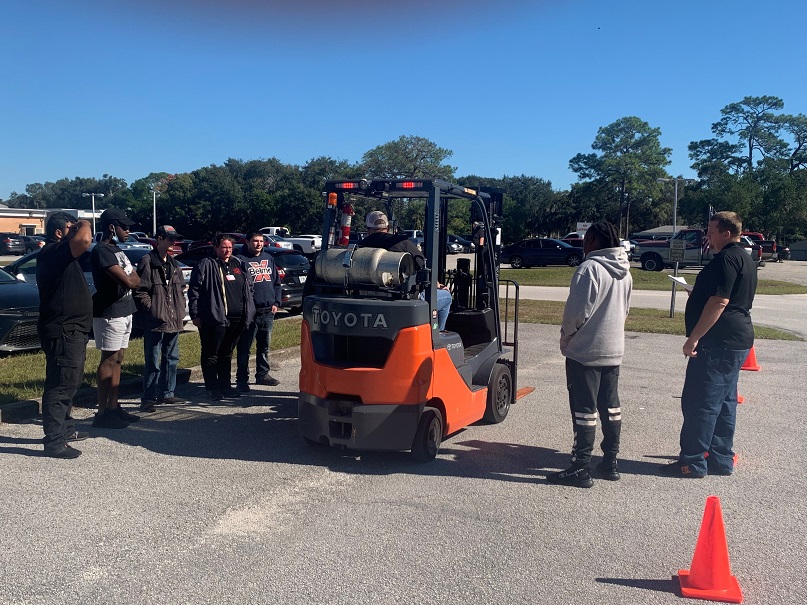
column 709, row 576
column 732, row 594
column 750, row 362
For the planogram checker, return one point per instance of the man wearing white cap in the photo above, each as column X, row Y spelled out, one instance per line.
column 380, row 237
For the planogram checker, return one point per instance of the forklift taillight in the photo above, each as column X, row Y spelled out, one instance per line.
column 409, row 185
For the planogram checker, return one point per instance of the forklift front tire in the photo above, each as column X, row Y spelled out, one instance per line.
column 428, row 436
column 500, row 394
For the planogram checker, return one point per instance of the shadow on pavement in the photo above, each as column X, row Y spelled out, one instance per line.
column 262, row 427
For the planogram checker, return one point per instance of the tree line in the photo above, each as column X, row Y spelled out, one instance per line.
column 754, row 163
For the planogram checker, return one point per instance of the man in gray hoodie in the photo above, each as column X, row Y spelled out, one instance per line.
column 592, row 338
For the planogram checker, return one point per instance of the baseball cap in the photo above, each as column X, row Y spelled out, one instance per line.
column 377, row 220
column 168, row 231
column 116, row 215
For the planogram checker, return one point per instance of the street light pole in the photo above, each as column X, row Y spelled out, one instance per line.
column 93, row 207
column 154, row 195
column 675, row 228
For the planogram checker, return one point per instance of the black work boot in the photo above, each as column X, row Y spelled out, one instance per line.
column 608, row 469
column 574, row 476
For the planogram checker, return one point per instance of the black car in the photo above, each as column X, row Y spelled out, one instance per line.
column 33, row 242
column 467, row 245
column 292, row 267
column 541, row 252
column 25, row 267
column 11, row 243
column 19, row 312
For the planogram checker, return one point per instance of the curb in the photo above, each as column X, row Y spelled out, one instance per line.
column 17, row 411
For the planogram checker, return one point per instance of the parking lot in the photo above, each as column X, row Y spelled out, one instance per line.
column 226, row 504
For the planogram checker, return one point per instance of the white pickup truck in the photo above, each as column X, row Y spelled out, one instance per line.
column 307, row 244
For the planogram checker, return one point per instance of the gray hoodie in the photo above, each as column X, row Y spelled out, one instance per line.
column 593, row 330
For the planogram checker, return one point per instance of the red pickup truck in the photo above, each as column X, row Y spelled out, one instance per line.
column 769, row 252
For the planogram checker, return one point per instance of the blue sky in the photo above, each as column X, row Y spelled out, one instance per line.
column 511, row 87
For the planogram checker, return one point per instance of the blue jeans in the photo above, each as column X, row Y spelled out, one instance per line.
column 161, row 352
column 443, row 307
column 260, row 330
column 709, row 405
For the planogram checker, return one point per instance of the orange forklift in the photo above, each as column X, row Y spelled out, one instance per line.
column 376, row 372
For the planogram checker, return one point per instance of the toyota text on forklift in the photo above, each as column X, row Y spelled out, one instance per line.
column 376, row 373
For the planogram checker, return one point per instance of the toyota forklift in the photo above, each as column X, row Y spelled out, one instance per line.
column 376, row 372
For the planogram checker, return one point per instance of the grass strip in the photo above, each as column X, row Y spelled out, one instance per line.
column 23, row 376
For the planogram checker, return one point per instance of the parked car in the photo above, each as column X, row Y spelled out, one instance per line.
column 466, row 244
column 356, row 237
column 238, row 239
column 541, row 252
column 173, row 249
column 453, row 248
column 11, row 243
column 131, row 242
column 24, row 270
column 292, row 267
column 19, row 312
column 275, row 241
column 782, row 253
column 33, row 242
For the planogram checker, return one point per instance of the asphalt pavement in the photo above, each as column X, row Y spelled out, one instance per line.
column 224, row 502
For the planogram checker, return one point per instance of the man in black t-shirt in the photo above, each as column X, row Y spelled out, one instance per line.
column 719, row 336
column 113, row 306
column 65, row 320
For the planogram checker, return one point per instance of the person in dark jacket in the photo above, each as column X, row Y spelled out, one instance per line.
column 266, row 285
column 221, row 304
column 160, row 305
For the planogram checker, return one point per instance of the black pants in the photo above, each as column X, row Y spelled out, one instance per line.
column 593, row 389
column 64, row 371
column 218, row 343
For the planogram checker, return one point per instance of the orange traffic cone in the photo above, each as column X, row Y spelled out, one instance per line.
column 709, row 576
column 750, row 362
column 740, row 398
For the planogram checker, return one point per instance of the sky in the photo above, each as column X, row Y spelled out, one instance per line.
column 511, row 87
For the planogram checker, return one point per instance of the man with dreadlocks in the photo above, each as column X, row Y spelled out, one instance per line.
column 592, row 338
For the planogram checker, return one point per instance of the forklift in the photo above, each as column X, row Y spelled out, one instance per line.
column 376, row 372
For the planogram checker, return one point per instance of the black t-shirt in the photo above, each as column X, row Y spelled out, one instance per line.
column 233, row 286
column 111, row 299
column 730, row 274
column 65, row 302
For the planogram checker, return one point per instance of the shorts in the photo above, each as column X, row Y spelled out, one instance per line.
column 112, row 334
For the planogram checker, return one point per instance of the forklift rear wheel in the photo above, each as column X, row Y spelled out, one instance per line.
column 500, row 394
column 428, row 436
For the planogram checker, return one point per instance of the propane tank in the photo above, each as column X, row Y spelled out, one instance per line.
column 347, row 218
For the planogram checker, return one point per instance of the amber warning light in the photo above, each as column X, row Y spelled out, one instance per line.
column 332, row 199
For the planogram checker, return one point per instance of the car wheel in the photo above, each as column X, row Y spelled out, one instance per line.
column 428, row 437
column 574, row 260
column 500, row 394
column 516, row 262
column 652, row 262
